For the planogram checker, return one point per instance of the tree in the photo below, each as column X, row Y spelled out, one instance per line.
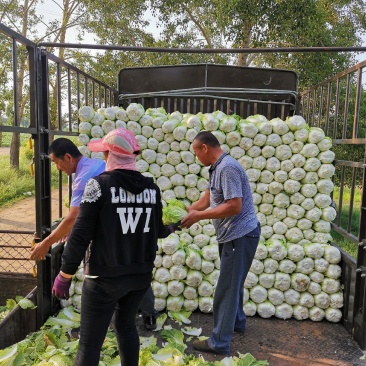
column 272, row 23
column 21, row 19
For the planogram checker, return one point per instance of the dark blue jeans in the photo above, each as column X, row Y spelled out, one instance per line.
column 102, row 297
column 236, row 259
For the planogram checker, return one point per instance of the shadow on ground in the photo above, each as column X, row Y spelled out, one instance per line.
column 281, row 342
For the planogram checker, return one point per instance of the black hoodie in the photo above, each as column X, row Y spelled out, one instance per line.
column 121, row 215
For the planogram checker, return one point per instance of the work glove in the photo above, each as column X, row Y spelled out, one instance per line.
column 174, row 227
column 61, row 287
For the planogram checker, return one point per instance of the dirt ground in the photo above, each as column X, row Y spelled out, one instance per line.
column 280, row 342
column 4, row 150
column 22, row 215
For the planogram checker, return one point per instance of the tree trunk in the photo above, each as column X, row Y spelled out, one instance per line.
column 1, row 123
column 23, row 62
column 244, row 58
column 14, row 150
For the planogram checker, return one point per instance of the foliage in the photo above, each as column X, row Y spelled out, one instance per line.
column 266, row 23
column 343, row 217
column 21, row 301
column 53, row 345
column 22, row 183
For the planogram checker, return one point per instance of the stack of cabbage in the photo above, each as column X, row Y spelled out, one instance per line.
column 289, row 165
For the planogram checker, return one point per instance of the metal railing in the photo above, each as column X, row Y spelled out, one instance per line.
column 338, row 106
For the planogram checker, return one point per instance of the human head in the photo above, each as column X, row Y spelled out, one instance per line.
column 65, row 154
column 206, row 147
column 120, row 149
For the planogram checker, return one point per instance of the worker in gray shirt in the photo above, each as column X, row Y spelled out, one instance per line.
column 228, row 202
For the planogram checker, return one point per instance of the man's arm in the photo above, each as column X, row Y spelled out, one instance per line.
column 228, row 208
column 39, row 251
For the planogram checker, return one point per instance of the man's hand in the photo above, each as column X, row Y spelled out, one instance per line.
column 39, row 251
column 191, row 218
column 61, row 287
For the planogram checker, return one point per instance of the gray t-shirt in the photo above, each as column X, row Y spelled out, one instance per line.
column 228, row 180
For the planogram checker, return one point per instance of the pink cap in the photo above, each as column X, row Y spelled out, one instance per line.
column 119, row 140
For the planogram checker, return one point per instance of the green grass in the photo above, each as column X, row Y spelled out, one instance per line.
column 16, row 185
column 6, row 139
column 347, row 245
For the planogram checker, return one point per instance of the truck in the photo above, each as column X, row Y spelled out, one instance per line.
column 334, row 105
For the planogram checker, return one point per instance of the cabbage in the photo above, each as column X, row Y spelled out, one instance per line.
column 163, row 182
column 276, row 249
column 282, row 281
column 173, row 212
column 322, row 300
column 316, row 135
column 159, row 304
column 336, row 300
column 314, row 250
column 283, row 152
column 205, row 304
column 332, row 254
column 108, row 126
column 297, row 145
column 85, row 128
column 233, row 138
column 179, row 133
column 174, row 158
column 300, row 312
column 278, row 126
column 193, row 258
column 250, row 308
column 205, row 288
column 210, row 252
column 306, row 299
column 110, row 113
column 210, row 122
column 135, row 111
column 86, row 114
column 194, row 121
column 276, row 297
column 270, row 265
column 300, row 281
column 286, row 266
column 292, row 296
column 259, row 139
column 174, row 303
column 167, row 261
column 333, row 271
column 326, row 171
column 333, row 315
column 316, row 314
column 228, row 124
column 266, row 280
column 316, row 276
column 175, row 287
column 162, row 274
column 331, row 285
column 266, row 309
column 258, row 294
column 314, row 288
column 284, row 311
column 251, row 280
column 245, row 128
column 295, row 123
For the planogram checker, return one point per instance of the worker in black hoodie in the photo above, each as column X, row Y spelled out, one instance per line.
column 121, row 215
